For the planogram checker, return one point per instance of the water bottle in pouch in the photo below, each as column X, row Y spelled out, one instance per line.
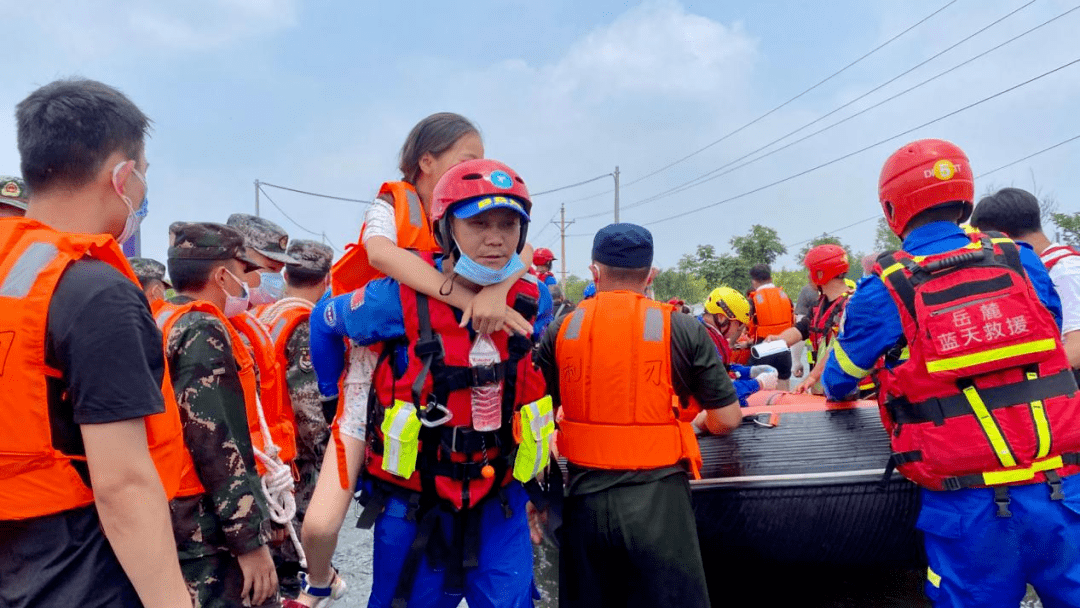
column 486, row 399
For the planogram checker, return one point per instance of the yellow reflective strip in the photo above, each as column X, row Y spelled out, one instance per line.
column 918, row 258
column 1042, row 425
column 891, row 269
column 846, row 364
column 1000, row 240
column 933, row 577
column 997, row 478
column 990, row 426
column 989, row 356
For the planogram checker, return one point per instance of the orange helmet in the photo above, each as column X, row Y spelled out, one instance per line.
column 923, row 175
column 826, row 262
column 543, row 255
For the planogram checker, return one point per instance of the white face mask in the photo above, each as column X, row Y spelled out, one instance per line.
column 271, row 288
column 235, row 305
column 135, row 216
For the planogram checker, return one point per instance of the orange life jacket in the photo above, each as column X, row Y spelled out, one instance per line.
column 353, row 270
column 772, row 313
column 36, row 479
column 619, row 406
column 282, row 319
column 179, row 481
column 273, row 393
column 167, row 314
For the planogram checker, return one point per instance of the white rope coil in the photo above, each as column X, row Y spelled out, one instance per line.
column 277, row 484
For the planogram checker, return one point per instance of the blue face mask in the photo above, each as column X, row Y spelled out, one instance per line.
column 271, row 288
column 468, row 269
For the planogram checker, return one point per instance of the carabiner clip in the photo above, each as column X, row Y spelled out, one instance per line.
column 766, row 419
column 434, row 406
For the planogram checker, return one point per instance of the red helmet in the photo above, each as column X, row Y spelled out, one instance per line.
column 471, row 180
column 922, row 175
column 826, row 262
column 543, row 255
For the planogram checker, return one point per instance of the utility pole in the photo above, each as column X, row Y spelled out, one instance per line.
column 257, row 198
column 562, row 238
column 616, row 194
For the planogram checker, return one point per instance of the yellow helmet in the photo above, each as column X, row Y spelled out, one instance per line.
column 729, row 303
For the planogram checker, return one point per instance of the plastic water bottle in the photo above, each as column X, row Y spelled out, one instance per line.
column 486, row 399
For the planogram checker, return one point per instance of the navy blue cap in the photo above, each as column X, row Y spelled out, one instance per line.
column 623, row 246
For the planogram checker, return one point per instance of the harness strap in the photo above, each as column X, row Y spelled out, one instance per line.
column 897, row 459
column 424, row 531
column 1018, row 475
column 938, row 409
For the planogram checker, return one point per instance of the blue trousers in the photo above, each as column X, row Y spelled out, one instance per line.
column 978, row 559
column 504, row 578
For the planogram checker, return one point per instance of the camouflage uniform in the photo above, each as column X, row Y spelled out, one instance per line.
column 13, row 194
column 228, row 520
column 313, row 433
column 263, row 236
column 147, row 269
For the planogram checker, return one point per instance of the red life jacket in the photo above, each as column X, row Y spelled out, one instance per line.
column 825, row 324
column 452, row 455
column 1052, row 255
column 987, row 397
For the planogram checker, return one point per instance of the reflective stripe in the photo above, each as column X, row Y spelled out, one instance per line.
column 416, row 210
column 891, row 269
column 654, row 325
column 846, row 364
column 997, row 478
column 933, row 577
column 24, row 273
column 401, row 439
column 990, row 427
column 163, row 318
column 1042, row 425
column 990, row 356
column 278, row 328
column 537, row 427
column 574, row 328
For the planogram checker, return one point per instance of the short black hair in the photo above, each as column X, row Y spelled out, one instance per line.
column 761, row 273
column 953, row 211
column 191, row 275
column 301, row 278
column 67, row 129
column 1010, row 210
column 626, row 275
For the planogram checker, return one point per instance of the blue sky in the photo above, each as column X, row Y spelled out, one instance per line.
column 319, row 96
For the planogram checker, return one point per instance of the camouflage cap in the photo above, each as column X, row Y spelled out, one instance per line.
column 13, row 192
column 312, row 256
column 206, row 241
column 149, row 270
column 262, row 235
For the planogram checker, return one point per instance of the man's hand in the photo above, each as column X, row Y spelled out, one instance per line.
column 489, row 313
column 807, row 385
column 537, row 521
column 260, row 577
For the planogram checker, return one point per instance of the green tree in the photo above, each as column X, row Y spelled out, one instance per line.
column 675, row 283
column 760, row 246
column 791, row 281
column 716, row 270
column 1069, row 224
column 884, row 238
column 573, row 287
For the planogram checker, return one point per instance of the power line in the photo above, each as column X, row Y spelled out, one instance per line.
column 1016, row 162
column 701, row 179
column 544, row 227
column 869, row 147
column 568, row 186
column 766, row 114
column 981, row 175
column 336, row 198
column 297, row 224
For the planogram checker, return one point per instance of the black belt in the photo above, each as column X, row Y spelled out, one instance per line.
column 938, row 409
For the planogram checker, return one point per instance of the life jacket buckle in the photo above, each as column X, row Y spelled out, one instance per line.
column 432, row 407
column 1002, row 500
column 1054, row 481
column 483, row 375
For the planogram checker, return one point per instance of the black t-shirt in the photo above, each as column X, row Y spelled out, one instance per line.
column 102, row 338
column 696, row 371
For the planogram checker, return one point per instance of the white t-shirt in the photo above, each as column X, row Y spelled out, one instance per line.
column 1066, row 277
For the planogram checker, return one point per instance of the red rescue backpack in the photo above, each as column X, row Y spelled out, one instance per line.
column 987, row 397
